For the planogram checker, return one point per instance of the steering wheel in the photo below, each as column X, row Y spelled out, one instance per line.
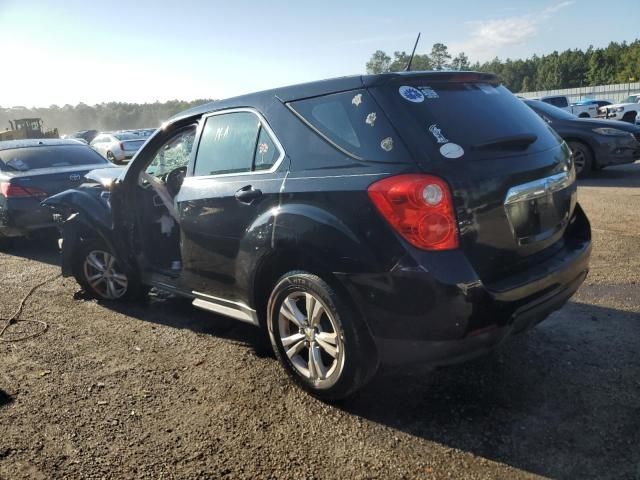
column 173, row 180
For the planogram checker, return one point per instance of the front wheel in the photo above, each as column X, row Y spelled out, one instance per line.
column 582, row 158
column 101, row 275
column 322, row 344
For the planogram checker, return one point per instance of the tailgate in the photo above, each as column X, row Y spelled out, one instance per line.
column 511, row 176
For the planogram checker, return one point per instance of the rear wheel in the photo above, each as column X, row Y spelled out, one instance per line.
column 582, row 158
column 321, row 343
column 112, row 158
column 101, row 275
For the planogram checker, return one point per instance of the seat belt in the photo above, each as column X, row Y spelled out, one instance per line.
column 162, row 192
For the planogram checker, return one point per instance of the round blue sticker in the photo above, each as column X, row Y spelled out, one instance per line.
column 412, row 94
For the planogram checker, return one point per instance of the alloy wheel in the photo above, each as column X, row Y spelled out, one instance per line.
column 578, row 160
column 103, row 274
column 311, row 338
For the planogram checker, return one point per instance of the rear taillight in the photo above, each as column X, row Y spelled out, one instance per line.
column 10, row 190
column 418, row 207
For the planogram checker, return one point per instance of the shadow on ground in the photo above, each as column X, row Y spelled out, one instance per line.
column 41, row 248
column 562, row 400
column 178, row 312
column 5, row 398
column 621, row 176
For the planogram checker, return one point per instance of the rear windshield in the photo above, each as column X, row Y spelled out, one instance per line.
column 354, row 123
column 133, row 145
column 459, row 120
column 25, row 159
column 126, row 136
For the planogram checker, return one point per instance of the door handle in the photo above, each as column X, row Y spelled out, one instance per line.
column 248, row 194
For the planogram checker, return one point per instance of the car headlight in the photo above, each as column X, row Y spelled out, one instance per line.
column 611, row 132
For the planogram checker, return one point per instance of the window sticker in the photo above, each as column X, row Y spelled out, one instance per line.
column 437, row 134
column 263, row 148
column 357, row 100
column 18, row 164
column 411, row 94
column 451, row 150
column 387, row 144
column 371, row 119
column 429, row 92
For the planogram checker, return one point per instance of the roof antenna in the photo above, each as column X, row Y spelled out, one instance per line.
column 408, row 67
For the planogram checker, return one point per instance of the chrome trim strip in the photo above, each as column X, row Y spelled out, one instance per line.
column 539, row 188
column 236, row 310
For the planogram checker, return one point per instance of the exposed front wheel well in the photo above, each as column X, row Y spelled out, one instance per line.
column 629, row 117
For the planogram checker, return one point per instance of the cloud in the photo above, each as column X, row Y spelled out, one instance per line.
column 487, row 37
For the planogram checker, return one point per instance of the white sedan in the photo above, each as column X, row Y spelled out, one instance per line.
column 117, row 147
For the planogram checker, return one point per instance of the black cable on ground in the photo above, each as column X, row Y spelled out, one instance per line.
column 15, row 318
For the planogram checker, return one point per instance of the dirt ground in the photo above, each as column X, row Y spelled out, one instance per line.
column 161, row 390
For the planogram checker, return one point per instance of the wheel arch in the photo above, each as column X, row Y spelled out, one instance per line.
column 586, row 144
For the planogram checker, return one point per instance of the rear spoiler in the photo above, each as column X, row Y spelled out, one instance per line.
column 429, row 76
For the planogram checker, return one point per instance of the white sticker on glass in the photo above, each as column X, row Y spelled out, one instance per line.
column 371, row 119
column 387, row 144
column 437, row 134
column 357, row 100
column 429, row 92
column 451, row 150
column 412, row 94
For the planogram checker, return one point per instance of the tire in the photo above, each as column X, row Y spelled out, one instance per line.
column 331, row 356
column 629, row 117
column 582, row 157
column 111, row 157
column 584, row 115
column 100, row 274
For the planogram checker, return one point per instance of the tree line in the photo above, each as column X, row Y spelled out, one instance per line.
column 102, row 117
column 615, row 63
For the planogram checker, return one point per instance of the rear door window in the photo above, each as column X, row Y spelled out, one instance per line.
column 227, row 144
column 354, row 123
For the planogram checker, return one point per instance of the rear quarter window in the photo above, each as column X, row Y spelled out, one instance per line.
column 354, row 123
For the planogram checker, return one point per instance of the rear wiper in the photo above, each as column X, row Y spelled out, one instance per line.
column 512, row 142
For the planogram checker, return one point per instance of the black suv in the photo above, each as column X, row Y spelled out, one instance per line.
column 358, row 221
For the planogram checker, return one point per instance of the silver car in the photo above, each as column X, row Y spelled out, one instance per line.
column 118, row 147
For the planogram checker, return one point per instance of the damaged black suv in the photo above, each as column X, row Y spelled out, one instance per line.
column 360, row 221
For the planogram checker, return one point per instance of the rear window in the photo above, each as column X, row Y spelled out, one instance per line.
column 126, row 136
column 354, row 123
column 25, row 159
column 458, row 120
column 133, row 145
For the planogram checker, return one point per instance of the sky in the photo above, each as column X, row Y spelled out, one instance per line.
column 66, row 52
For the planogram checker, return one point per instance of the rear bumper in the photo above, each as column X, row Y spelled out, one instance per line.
column 23, row 216
column 442, row 313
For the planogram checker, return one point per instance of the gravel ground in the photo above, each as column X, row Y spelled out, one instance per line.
column 161, row 390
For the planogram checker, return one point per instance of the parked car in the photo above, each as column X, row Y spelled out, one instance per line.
column 86, row 136
column 118, row 147
column 358, row 221
column 30, row 171
column 579, row 110
column 627, row 110
column 590, row 101
column 595, row 143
